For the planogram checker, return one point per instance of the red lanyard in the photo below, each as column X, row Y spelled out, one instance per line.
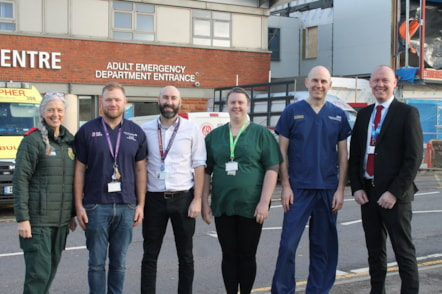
column 163, row 152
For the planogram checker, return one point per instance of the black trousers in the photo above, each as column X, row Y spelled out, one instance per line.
column 238, row 237
column 377, row 222
column 159, row 208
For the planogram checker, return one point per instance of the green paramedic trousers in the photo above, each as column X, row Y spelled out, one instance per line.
column 42, row 255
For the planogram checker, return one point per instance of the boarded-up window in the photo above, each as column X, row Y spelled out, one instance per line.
column 310, row 43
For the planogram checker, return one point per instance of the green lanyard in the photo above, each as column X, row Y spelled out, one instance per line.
column 232, row 142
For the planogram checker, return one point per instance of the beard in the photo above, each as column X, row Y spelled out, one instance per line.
column 167, row 113
column 112, row 115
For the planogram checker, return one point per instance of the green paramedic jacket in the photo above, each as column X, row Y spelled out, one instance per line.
column 43, row 184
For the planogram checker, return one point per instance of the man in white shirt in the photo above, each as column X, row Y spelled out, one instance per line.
column 175, row 172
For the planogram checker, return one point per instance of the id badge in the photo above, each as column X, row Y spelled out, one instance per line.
column 114, row 187
column 231, row 168
column 370, row 149
column 161, row 175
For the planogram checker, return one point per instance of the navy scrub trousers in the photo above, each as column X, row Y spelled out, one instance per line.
column 316, row 205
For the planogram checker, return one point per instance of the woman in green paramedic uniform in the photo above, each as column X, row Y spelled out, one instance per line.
column 242, row 165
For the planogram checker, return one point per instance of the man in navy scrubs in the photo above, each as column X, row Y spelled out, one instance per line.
column 313, row 140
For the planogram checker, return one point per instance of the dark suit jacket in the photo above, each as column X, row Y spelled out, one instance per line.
column 398, row 152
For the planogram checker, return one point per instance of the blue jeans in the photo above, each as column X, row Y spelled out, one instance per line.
column 110, row 226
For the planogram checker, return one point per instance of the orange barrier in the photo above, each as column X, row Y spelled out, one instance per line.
column 428, row 155
column 413, row 25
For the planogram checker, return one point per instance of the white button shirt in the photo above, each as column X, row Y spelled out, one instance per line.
column 386, row 105
column 188, row 151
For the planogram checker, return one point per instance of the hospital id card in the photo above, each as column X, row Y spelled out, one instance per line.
column 161, row 175
column 114, row 187
column 231, row 168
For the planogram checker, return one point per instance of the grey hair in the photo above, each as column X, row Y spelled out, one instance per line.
column 51, row 96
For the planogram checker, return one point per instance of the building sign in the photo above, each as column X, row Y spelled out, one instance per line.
column 142, row 71
column 113, row 70
column 31, row 59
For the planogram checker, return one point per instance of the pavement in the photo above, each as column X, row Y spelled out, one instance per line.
column 430, row 276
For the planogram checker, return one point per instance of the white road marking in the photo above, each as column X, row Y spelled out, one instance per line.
column 351, row 222
column 272, row 228
column 427, row 193
column 21, row 253
column 426, row 211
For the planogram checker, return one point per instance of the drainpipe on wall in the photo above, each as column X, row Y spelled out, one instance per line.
column 422, row 39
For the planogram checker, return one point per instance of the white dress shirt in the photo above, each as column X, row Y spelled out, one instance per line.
column 188, row 150
column 386, row 106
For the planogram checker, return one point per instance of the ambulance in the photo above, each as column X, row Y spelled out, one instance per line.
column 19, row 112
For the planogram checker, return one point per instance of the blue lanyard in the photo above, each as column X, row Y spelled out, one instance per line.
column 375, row 131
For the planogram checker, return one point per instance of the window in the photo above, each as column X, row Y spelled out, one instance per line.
column 310, row 43
column 211, row 28
column 133, row 21
column 7, row 19
column 145, row 108
column 87, row 108
column 275, row 43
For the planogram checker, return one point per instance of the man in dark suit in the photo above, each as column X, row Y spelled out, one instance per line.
column 385, row 153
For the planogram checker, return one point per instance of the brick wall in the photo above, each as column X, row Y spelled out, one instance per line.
column 193, row 105
column 81, row 59
column 432, row 74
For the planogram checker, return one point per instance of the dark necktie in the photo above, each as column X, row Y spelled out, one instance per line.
column 370, row 159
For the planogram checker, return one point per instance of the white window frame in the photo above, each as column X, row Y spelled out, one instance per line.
column 212, row 18
column 133, row 33
column 9, row 20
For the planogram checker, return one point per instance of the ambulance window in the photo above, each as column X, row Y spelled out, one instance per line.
column 17, row 118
